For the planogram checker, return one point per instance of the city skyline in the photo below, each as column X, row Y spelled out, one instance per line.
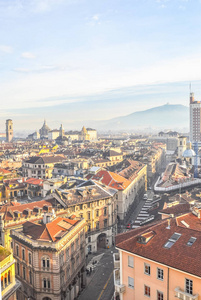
column 95, row 56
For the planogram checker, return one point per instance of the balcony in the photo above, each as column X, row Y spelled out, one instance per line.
column 116, row 260
column 119, row 288
column 184, row 296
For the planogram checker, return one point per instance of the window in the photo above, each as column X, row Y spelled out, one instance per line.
column 23, row 254
column 88, row 205
column 44, row 283
column 88, row 215
column 191, row 241
column 67, row 253
column 105, row 211
column 77, row 243
column 29, row 258
column 189, row 286
column 147, row 291
column 45, row 262
column 72, row 247
column 24, row 273
column 97, row 213
column 172, row 240
column 160, row 274
column 30, row 277
column 17, row 250
column 89, row 239
column 159, row 295
column 130, row 261
column 131, row 282
column 18, row 269
column 147, row 269
column 105, row 223
column 97, row 225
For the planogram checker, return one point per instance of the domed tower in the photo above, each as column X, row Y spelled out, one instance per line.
column 9, row 130
column 44, row 130
column 189, row 154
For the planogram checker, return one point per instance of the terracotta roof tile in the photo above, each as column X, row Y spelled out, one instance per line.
column 180, row 255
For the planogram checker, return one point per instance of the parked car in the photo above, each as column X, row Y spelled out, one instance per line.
column 128, row 226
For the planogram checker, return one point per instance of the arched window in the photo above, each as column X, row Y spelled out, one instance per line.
column 45, row 262
column 5, row 280
column 23, row 254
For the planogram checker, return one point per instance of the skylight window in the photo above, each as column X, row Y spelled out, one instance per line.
column 191, row 241
column 172, row 240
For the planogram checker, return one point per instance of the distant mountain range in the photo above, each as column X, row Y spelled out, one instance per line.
column 167, row 116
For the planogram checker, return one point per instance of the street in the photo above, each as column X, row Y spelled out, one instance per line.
column 101, row 282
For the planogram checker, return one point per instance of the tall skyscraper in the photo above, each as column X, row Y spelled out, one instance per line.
column 9, row 130
column 195, row 119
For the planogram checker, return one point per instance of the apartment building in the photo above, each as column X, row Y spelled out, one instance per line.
column 195, row 119
column 9, row 284
column 50, row 259
column 91, row 201
column 154, row 158
column 160, row 261
column 40, row 166
column 14, row 215
column 95, row 203
column 130, row 181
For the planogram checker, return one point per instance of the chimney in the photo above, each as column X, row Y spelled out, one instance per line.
column 168, row 227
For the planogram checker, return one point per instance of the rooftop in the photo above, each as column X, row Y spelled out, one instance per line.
column 3, row 253
column 176, row 254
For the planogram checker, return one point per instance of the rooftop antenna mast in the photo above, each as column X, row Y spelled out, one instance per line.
column 190, row 87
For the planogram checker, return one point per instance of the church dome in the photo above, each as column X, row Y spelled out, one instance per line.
column 188, row 153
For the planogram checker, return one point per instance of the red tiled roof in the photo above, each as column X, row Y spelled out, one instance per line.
column 110, row 179
column 34, row 181
column 8, row 210
column 180, row 255
column 4, row 171
column 49, row 231
column 180, row 208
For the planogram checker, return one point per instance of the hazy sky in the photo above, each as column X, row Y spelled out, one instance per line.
column 125, row 53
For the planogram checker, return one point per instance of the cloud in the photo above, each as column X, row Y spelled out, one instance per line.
column 95, row 17
column 43, row 69
column 6, row 49
column 28, row 55
column 15, row 7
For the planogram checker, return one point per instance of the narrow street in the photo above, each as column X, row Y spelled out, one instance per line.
column 101, row 283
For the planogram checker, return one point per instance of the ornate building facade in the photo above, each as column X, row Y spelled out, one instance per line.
column 50, row 259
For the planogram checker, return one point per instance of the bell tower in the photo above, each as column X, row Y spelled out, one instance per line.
column 9, row 130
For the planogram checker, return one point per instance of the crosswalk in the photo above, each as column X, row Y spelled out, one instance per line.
column 143, row 214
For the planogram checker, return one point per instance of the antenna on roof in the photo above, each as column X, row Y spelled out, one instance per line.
column 190, row 87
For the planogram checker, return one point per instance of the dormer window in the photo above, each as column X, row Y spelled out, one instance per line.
column 145, row 237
